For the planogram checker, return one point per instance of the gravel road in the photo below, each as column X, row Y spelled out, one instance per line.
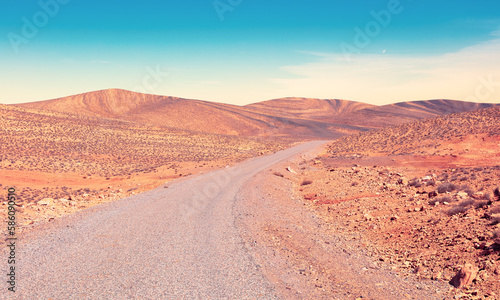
column 174, row 242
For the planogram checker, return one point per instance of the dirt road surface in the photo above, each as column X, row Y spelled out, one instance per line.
column 178, row 241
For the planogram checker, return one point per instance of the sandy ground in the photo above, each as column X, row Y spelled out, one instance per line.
column 305, row 256
column 423, row 216
column 176, row 241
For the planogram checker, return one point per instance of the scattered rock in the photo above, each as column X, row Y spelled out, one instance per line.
column 46, row 201
column 310, row 196
column 465, row 276
column 368, row 217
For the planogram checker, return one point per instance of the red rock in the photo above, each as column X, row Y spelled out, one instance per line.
column 465, row 276
column 310, row 196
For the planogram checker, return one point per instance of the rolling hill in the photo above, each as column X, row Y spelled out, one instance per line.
column 404, row 112
column 296, row 118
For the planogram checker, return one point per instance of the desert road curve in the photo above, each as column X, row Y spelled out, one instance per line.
column 173, row 242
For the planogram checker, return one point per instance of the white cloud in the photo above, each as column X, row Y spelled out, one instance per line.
column 472, row 73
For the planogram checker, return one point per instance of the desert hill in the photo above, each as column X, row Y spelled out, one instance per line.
column 186, row 114
column 296, row 118
column 426, row 136
column 403, row 112
column 61, row 162
column 36, row 140
column 308, row 108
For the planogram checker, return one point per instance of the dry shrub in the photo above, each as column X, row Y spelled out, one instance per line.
column 415, row 182
column 446, row 187
column 456, row 210
column 278, row 174
column 306, row 182
column 481, row 203
column 496, row 236
column 443, row 177
column 431, row 183
column 440, row 200
column 466, row 203
column 495, row 220
column 495, row 210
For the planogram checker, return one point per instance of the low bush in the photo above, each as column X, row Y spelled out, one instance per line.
column 466, row 203
column 446, row 187
column 481, row 203
column 496, row 236
column 431, row 183
column 495, row 210
column 440, row 200
column 306, row 182
column 456, row 210
column 495, row 220
column 443, row 177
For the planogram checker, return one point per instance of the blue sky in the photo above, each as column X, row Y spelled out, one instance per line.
column 242, row 51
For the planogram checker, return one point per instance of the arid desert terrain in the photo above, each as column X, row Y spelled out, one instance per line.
column 413, row 186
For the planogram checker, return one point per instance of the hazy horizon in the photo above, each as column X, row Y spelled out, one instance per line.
column 258, row 101
column 242, row 52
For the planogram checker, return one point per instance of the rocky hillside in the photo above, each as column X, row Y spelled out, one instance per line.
column 409, row 138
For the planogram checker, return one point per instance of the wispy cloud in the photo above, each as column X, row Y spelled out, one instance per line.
column 386, row 78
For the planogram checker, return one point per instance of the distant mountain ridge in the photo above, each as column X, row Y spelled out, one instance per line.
column 302, row 118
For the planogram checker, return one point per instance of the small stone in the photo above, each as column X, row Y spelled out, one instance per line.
column 437, row 275
column 465, row 276
column 310, row 196
column 46, row 201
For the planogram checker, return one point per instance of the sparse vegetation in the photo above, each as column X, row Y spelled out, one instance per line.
column 415, row 182
column 440, row 200
column 446, row 187
column 495, row 220
column 56, row 142
column 415, row 137
column 495, row 210
column 466, row 203
column 481, row 203
column 456, row 210
column 306, row 182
